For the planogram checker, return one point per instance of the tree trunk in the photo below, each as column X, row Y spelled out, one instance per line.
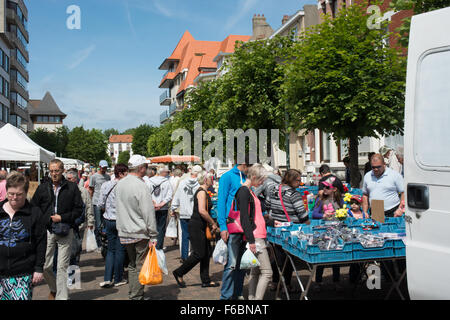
column 354, row 167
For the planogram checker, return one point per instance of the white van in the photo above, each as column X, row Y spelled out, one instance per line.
column 427, row 156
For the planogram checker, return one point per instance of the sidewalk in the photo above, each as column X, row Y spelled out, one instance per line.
column 92, row 269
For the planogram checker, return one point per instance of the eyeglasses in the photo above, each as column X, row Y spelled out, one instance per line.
column 15, row 195
column 377, row 167
column 55, row 171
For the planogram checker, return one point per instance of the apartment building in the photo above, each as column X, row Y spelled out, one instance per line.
column 191, row 61
column 45, row 114
column 14, row 63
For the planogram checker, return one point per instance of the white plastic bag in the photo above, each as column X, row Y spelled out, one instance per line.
column 249, row 260
column 220, row 254
column 171, row 231
column 162, row 261
column 91, row 242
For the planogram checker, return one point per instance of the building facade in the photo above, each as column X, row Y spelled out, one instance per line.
column 14, row 63
column 190, row 62
column 45, row 114
column 118, row 144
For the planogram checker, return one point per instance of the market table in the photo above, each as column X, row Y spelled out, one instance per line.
column 391, row 251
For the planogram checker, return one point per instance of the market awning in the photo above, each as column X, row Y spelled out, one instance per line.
column 170, row 158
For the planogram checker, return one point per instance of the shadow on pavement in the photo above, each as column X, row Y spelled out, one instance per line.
column 92, row 294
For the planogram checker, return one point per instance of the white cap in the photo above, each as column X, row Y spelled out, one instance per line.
column 197, row 169
column 136, row 160
column 103, row 164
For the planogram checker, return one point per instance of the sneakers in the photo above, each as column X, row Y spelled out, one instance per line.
column 51, row 296
column 106, row 284
column 121, row 283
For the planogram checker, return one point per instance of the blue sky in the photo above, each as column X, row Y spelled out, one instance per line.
column 106, row 74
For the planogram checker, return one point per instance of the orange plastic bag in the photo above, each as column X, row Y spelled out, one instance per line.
column 150, row 273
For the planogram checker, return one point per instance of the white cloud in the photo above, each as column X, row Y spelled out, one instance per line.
column 242, row 10
column 80, row 56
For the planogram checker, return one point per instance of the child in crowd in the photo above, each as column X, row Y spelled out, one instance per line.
column 355, row 208
column 325, row 208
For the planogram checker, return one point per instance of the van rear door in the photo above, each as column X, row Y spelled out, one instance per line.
column 427, row 156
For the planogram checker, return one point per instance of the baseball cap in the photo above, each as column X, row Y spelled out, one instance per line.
column 356, row 198
column 330, row 182
column 136, row 160
column 197, row 169
column 103, row 164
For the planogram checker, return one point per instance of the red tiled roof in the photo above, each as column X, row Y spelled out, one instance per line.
column 195, row 55
column 121, row 138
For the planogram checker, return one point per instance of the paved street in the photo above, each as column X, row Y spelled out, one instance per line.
column 92, row 269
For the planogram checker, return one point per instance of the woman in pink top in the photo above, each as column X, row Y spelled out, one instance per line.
column 262, row 275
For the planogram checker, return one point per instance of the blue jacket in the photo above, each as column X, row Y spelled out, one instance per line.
column 229, row 184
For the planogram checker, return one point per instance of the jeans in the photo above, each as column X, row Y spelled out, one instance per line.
column 161, row 223
column 184, row 238
column 201, row 248
column 98, row 224
column 115, row 254
column 233, row 277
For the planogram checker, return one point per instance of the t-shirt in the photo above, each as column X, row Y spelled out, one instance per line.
column 96, row 182
column 387, row 187
column 337, row 183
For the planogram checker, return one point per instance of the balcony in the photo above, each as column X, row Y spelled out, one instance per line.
column 164, row 116
column 19, row 66
column 13, row 18
column 15, row 40
column 172, row 108
column 164, row 99
column 17, row 110
column 16, row 87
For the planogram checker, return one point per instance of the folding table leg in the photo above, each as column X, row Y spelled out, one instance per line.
column 296, row 274
column 281, row 275
column 312, row 274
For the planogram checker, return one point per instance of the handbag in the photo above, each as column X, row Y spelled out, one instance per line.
column 209, row 234
column 234, row 220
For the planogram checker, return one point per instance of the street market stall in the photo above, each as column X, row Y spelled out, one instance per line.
column 349, row 241
column 72, row 163
column 16, row 146
column 175, row 159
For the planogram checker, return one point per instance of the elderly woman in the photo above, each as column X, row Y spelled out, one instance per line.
column 201, row 247
column 23, row 241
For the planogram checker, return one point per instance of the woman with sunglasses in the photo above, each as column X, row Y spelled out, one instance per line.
column 23, row 241
column 285, row 205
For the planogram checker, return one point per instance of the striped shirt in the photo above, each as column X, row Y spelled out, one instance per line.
column 293, row 202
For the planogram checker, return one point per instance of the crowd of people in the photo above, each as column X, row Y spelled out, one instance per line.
column 130, row 206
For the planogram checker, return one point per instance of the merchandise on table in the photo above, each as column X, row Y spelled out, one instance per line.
column 353, row 239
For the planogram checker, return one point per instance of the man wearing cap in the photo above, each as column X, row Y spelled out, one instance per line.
column 184, row 200
column 135, row 221
column 95, row 185
column 162, row 193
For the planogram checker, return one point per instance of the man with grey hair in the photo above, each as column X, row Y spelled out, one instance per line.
column 135, row 221
column 3, row 175
column 400, row 157
column 162, row 193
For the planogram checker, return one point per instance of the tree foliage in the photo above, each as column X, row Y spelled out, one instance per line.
column 123, row 158
column 345, row 81
column 52, row 141
column 87, row 145
column 140, row 138
column 418, row 6
column 110, row 132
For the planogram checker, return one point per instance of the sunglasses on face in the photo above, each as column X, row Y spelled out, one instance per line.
column 377, row 167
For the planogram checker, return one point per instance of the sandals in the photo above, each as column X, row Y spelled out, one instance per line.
column 210, row 284
column 181, row 283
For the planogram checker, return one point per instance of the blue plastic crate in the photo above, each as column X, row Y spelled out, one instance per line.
column 400, row 252
column 360, row 253
column 398, row 244
column 330, row 256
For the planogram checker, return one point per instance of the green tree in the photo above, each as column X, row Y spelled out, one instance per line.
column 418, row 6
column 159, row 143
column 87, row 145
column 140, row 138
column 109, row 132
column 62, row 139
column 345, row 81
column 45, row 139
column 124, row 156
column 129, row 131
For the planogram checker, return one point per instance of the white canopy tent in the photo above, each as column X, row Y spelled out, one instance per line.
column 15, row 145
column 72, row 163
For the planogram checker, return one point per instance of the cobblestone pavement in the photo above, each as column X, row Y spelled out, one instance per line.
column 92, row 269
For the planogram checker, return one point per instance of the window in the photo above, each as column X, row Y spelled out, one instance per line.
column 5, row 62
column 6, row 89
column 21, row 59
column 334, row 8
column 21, row 80
column 294, row 33
column 325, row 147
column 431, row 110
column 21, row 37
